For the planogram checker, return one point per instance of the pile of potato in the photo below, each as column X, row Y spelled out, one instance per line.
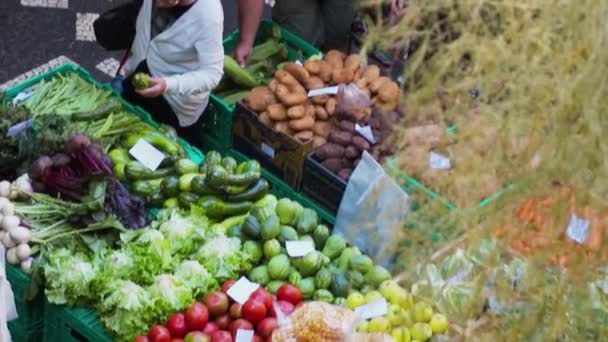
column 285, row 106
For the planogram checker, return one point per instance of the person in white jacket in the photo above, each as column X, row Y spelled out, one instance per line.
column 179, row 43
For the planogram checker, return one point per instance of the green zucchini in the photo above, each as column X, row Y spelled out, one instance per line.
column 146, row 187
column 184, row 166
column 211, row 159
column 170, row 186
column 216, row 209
column 185, row 181
column 137, row 171
column 156, row 139
column 229, row 164
column 156, row 199
column 185, row 199
column 253, row 193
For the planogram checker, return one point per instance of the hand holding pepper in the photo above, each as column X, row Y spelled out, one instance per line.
column 157, row 88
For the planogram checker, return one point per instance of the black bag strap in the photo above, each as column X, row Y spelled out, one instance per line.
column 115, row 29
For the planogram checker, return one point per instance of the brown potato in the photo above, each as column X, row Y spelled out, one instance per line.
column 283, row 127
column 347, row 126
column 314, row 82
column 281, row 90
column 318, row 141
column 319, row 100
column 310, row 109
column 340, row 137
column 361, row 143
column 342, row 76
column 375, row 86
column 321, row 113
column 322, row 128
column 298, row 72
column 296, row 112
column 259, row 98
column 303, row 135
column 335, row 58
column 328, row 151
column 286, row 78
column 352, row 62
column 277, row 112
column 351, row 152
column 265, row 119
column 371, row 73
column 304, row 124
column 313, row 67
column 273, row 85
column 389, row 92
column 330, row 106
column 293, row 99
column 325, row 71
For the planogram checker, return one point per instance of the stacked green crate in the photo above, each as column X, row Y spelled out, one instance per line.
column 28, row 326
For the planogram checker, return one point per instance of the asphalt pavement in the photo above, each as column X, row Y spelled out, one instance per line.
column 37, row 35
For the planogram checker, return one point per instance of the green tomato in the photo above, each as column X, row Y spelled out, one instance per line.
column 355, row 300
column 401, row 335
column 271, row 248
column 366, row 289
column 399, row 296
column 363, row 327
column 388, row 287
column 372, row 296
column 421, row 332
column 379, row 325
column 394, row 315
column 286, row 211
column 406, row 318
column 439, row 324
column 422, row 312
column 254, row 250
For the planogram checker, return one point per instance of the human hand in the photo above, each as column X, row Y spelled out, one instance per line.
column 242, row 52
column 157, row 88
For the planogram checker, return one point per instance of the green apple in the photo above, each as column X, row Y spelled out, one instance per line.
column 363, row 327
column 372, row 296
column 394, row 315
column 406, row 318
column 422, row 312
column 379, row 325
column 439, row 324
column 355, row 300
column 421, row 332
column 388, row 287
column 401, row 335
column 400, row 296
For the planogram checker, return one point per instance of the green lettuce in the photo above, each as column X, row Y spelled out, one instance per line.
column 126, row 309
column 194, row 275
column 69, row 277
column 223, row 257
column 151, row 252
column 169, row 294
column 184, row 231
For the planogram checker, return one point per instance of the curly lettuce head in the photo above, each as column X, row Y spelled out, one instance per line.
column 169, row 294
column 184, row 231
column 196, row 276
column 126, row 310
column 223, row 257
column 69, row 277
column 152, row 255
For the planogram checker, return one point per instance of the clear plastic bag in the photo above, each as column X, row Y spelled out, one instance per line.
column 353, row 102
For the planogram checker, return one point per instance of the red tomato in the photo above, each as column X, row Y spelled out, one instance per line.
column 257, row 338
column 267, row 326
column 159, row 333
column 227, row 285
column 285, row 307
column 177, row 325
column 261, row 294
column 210, row 328
column 254, row 310
column 142, row 339
column 221, row 336
column 197, row 336
column 235, row 310
column 217, row 303
column 239, row 324
column 197, row 316
column 177, row 340
column 290, row 293
column 223, row 321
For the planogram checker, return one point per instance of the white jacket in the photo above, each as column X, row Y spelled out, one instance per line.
column 189, row 55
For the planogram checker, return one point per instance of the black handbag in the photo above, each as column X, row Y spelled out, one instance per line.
column 115, row 29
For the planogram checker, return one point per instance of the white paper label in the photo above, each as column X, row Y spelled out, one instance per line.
column 323, row 91
column 269, row 151
column 242, row 289
column 147, row 154
column 578, row 229
column 439, row 162
column 377, row 308
column 298, row 62
column 22, row 96
column 366, row 132
column 243, row 335
column 298, row 249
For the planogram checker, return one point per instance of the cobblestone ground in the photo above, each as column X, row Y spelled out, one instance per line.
column 37, row 35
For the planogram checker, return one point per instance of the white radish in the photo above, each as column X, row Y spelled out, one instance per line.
column 7, row 241
column 3, row 202
column 23, row 184
column 8, row 209
column 21, row 235
column 11, row 256
column 26, row 265
column 10, row 222
column 5, row 188
column 23, row 251
column 2, row 233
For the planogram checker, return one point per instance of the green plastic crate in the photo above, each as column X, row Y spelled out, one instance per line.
column 28, row 327
column 62, row 324
column 219, row 116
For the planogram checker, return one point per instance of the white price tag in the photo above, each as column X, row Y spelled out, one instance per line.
column 323, row 91
column 298, row 62
column 377, row 308
column 147, row 154
column 298, row 249
column 242, row 289
column 269, row 151
column 366, row 132
column 22, row 96
column 243, row 335
column 578, row 229
column 439, row 162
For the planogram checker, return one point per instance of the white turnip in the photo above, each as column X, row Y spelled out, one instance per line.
column 21, row 235
column 10, row 222
column 5, row 188
column 23, row 251
column 11, row 256
column 8, row 209
column 7, row 241
column 26, row 265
